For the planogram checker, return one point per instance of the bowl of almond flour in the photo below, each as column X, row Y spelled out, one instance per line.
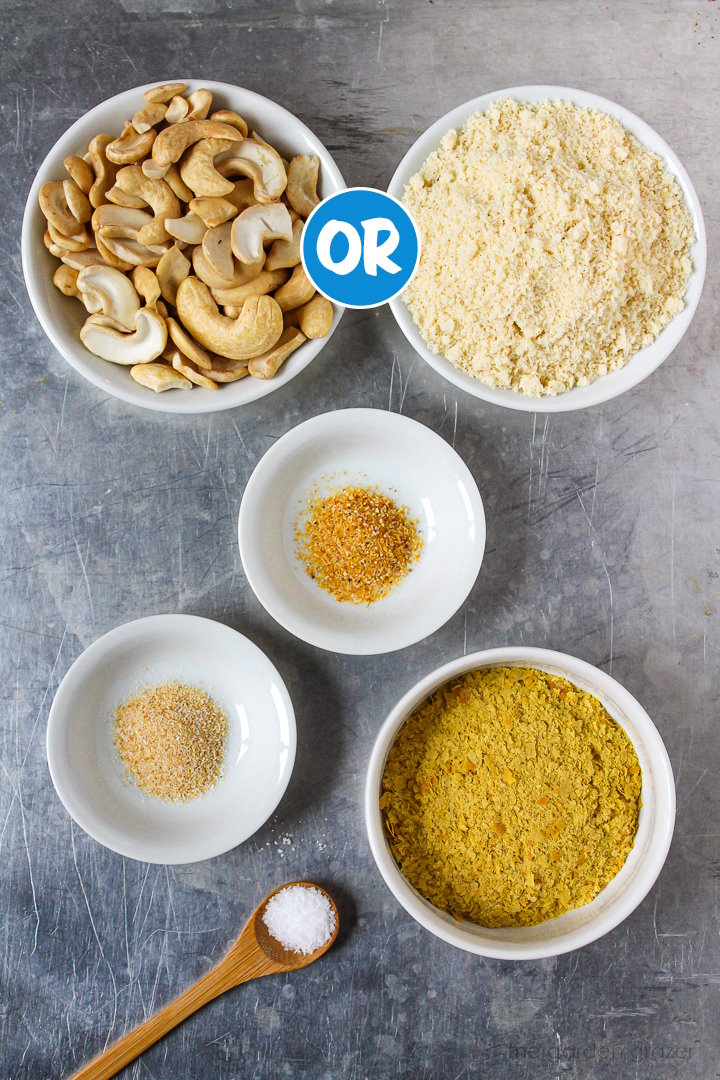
column 563, row 248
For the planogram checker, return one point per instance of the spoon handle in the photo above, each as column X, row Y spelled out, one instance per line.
column 135, row 1042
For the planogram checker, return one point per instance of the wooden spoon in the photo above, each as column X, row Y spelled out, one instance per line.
column 255, row 953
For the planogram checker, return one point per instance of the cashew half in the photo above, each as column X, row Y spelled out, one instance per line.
column 140, row 347
column 78, row 260
column 130, row 146
column 226, row 371
column 171, row 270
column 199, row 102
column 80, row 172
column 172, row 143
column 79, row 241
column 164, row 92
column 102, row 166
column 53, row 204
column 260, row 163
column 119, row 220
column 159, row 377
column 108, row 291
column 228, row 116
column 150, row 115
column 256, row 226
column 314, row 318
column 302, row 181
column 65, row 279
column 146, row 285
column 267, row 365
column 177, row 110
column 115, row 195
column 254, row 332
column 218, row 251
column 157, row 194
column 186, row 367
column 198, row 171
column 188, row 229
column 212, row 210
column 187, row 345
column 286, row 253
column 297, row 291
column 207, row 272
column 130, row 252
column 265, row 282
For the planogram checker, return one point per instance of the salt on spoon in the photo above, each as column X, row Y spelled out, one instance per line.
column 298, row 930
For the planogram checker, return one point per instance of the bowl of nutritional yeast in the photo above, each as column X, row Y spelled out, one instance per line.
column 563, row 248
column 519, row 803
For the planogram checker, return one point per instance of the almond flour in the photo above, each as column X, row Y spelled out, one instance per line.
column 554, row 246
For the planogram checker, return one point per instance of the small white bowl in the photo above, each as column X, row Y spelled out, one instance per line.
column 643, row 362
column 620, row 897
column 364, row 446
column 61, row 316
column 90, row 778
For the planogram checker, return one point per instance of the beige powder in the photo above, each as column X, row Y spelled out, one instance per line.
column 554, row 245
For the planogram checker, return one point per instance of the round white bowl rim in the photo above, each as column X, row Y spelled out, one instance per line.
column 190, row 403
column 64, row 788
column 649, row 359
column 325, row 638
column 648, row 870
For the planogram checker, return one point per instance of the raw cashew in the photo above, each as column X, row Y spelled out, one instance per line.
column 188, row 229
column 53, row 204
column 256, row 226
column 228, row 116
column 242, row 195
column 147, row 341
column 79, row 241
column 104, row 169
column 130, row 146
column 212, row 210
column 297, row 291
column 146, row 285
column 177, row 110
column 314, row 318
column 302, row 180
column 226, row 371
column 171, row 270
column 199, row 102
column 217, row 250
column 286, row 253
column 254, row 332
column 159, row 377
column 172, row 143
column 265, row 282
column 164, row 92
column 265, row 366
column 119, row 220
column 260, row 163
column 80, row 172
column 187, row 345
column 198, row 171
column 207, row 272
column 174, row 179
column 108, row 291
column 150, row 115
column 120, row 198
column 78, row 203
column 186, row 367
column 157, row 194
column 65, row 279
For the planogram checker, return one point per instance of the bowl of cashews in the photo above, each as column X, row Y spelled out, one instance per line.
column 161, row 246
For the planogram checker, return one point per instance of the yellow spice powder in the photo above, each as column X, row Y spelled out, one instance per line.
column 171, row 739
column 357, row 543
column 554, row 245
column 510, row 796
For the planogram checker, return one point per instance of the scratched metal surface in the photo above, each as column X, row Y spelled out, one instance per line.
column 603, row 541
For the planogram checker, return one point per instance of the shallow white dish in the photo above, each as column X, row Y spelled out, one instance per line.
column 88, row 774
column 643, row 362
column 61, row 316
column 620, row 897
column 395, row 453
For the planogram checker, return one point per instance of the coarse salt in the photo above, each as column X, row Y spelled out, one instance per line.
column 301, row 918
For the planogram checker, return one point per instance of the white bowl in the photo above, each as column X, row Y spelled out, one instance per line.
column 620, row 897
column 61, row 317
column 90, row 778
column 390, row 451
column 643, row 362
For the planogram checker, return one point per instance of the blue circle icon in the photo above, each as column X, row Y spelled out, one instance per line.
column 360, row 247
